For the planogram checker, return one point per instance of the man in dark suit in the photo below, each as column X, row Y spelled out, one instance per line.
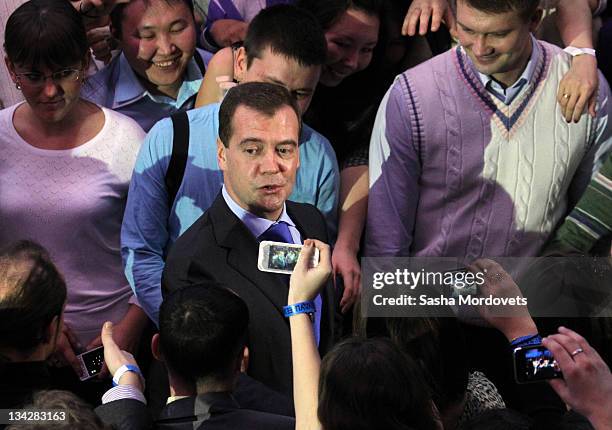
column 257, row 150
column 202, row 335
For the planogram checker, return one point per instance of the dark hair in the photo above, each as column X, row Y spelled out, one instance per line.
column 439, row 348
column 32, row 293
column 327, row 12
column 369, row 383
column 498, row 419
column 289, row 31
column 525, row 8
column 116, row 15
column 46, row 33
column 263, row 97
column 202, row 331
column 78, row 413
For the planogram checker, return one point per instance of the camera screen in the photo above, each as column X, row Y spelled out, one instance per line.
column 535, row 364
column 283, row 257
column 93, row 361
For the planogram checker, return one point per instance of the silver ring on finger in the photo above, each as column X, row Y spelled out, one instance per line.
column 576, row 352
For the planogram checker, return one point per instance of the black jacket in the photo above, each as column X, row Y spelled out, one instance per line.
column 211, row 411
column 219, row 247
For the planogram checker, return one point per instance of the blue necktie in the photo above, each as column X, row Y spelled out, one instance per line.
column 278, row 232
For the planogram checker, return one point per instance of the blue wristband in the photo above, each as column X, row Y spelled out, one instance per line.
column 299, row 308
column 532, row 339
column 127, row 368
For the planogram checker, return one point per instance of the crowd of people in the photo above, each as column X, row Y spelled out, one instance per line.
column 148, row 147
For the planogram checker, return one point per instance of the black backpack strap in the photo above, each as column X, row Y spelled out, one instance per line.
column 178, row 160
column 200, row 62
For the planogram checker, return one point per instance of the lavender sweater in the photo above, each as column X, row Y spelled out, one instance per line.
column 71, row 201
column 455, row 172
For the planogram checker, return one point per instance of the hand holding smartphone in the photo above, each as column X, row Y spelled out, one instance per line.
column 91, row 363
column 278, row 257
column 534, row 364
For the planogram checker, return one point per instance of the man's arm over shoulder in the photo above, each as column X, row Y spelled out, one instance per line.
column 394, row 170
column 144, row 232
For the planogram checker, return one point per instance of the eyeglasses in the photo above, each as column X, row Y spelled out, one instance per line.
column 35, row 79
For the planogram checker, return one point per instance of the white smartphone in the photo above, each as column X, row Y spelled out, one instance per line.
column 279, row 257
column 91, row 362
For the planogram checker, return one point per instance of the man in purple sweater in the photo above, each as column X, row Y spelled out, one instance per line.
column 470, row 155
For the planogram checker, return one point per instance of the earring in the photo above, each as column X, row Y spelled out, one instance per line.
column 18, row 86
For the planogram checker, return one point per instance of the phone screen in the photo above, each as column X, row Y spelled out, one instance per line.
column 279, row 257
column 462, row 285
column 535, row 363
column 283, row 257
column 92, row 362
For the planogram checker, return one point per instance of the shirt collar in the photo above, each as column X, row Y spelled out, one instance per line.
column 174, row 399
column 527, row 74
column 256, row 225
column 129, row 89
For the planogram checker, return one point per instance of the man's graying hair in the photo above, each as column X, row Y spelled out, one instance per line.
column 262, row 97
column 32, row 293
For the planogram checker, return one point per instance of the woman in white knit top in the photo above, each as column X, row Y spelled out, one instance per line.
column 65, row 167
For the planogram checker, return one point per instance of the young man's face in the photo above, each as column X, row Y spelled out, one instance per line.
column 158, row 38
column 260, row 163
column 498, row 44
column 301, row 81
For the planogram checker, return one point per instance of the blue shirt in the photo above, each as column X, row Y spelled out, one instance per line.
column 150, row 226
column 117, row 87
column 506, row 95
column 257, row 226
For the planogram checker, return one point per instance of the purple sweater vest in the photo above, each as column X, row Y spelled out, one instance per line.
column 430, row 198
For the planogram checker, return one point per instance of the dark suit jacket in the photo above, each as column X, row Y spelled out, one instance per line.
column 220, row 248
column 18, row 381
column 211, row 411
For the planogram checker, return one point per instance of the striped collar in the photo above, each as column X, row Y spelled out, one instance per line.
column 507, row 95
column 507, row 116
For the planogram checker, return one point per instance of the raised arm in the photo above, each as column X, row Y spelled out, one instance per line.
column 305, row 284
column 515, row 321
column 587, row 382
column 95, row 12
column 221, row 64
column 422, row 12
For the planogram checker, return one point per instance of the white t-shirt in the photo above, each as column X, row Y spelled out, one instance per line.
column 71, row 202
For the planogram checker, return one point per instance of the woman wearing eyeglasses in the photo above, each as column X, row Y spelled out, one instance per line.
column 65, row 167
